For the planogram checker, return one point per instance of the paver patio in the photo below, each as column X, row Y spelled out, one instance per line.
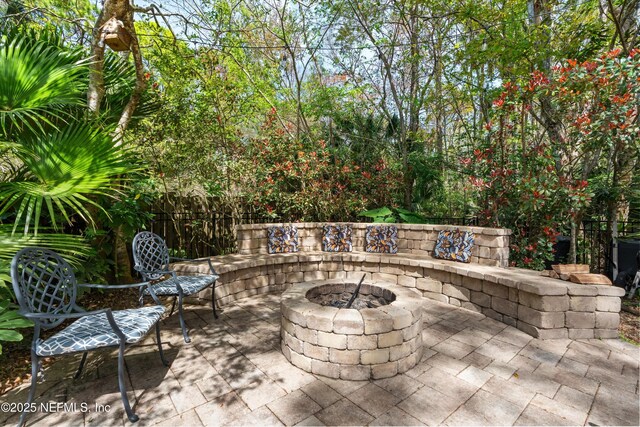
column 475, row 371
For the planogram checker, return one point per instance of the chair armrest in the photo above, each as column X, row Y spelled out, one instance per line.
column 213, row 271
column 96, row 286
column 128, row 286
column 171, row 259
column 44, row 316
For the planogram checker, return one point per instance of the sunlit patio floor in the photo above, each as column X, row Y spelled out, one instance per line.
column 475, row 371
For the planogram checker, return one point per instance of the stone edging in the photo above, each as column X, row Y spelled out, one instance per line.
column 540, row 306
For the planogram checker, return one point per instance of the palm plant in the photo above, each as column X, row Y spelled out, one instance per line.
column 58, row 162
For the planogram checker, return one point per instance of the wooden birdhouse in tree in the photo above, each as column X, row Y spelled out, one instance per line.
column 115, row 35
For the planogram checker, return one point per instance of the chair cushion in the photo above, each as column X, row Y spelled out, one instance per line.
column 336, row 238
column 454, row 245
column 190, row 285
column 94, row 331
column 282, row 239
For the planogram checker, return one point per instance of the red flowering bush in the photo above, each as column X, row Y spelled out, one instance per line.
column 536, row 186
column 305, row 181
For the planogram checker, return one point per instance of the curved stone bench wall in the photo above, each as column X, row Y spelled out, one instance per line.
column 540, row 306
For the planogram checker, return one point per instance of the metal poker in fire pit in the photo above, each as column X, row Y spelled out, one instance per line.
column 352, row 300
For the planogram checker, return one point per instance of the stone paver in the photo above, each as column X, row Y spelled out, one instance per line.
column 447, row 384
column 535, row 416
column 261, row 393
column 187, row 397
column 430, row 406
column 474, row 371
column 261, row 416
column 311, row 421
column 475, row 376
column 401, row 386
column 321, row 393
column 572, row 415
column 509, row 391
column 373, row 399
column 395, row 417
column 294, row 407
column 189, row 418
column 344, row 413
column 222, row 410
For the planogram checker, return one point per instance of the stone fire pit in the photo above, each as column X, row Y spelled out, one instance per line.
column 379, row 340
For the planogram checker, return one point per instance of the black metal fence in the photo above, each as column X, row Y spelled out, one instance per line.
column 452, row 220
column 202, row 234
column 594, row 246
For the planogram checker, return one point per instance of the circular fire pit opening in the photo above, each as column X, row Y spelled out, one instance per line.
column 378, row 337
column 369, row 296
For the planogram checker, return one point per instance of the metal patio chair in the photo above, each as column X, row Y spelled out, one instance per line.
column 151, row 259
column 46, row 290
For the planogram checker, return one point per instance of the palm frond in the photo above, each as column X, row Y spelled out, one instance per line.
column 71, row 247
column 119, row 82
column 61, row 172
column 38, row 81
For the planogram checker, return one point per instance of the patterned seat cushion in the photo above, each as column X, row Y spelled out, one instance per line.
column 94, row 331
column 190, row 285
column 454, row 245
column 382, row 239
column 282, row 239
column 336, row 238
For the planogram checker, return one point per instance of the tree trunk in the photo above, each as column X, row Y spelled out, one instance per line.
column 122, row 10
column 573, row 243
column 414, row 107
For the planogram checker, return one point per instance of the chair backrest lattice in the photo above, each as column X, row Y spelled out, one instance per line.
column 43, row 283
column 150, row 253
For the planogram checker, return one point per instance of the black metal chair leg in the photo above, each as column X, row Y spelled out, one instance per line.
column 213, row 300
column 164, row 361
column 123, row 388
column 32, row 390
column 173, row 306
column 79, row 372
column 181, row 317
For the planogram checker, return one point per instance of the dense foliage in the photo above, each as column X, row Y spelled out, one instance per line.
column 538, row 187
column 521, row 113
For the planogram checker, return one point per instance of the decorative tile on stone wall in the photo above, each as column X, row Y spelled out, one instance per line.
column 382, row 239
column 282, row 239
column 336, row 238
column 454, row 245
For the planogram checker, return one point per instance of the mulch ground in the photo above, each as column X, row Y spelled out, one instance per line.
column 630, row 320
column 15, row 360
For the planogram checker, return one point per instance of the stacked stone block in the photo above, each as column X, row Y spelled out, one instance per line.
column 351, row 344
